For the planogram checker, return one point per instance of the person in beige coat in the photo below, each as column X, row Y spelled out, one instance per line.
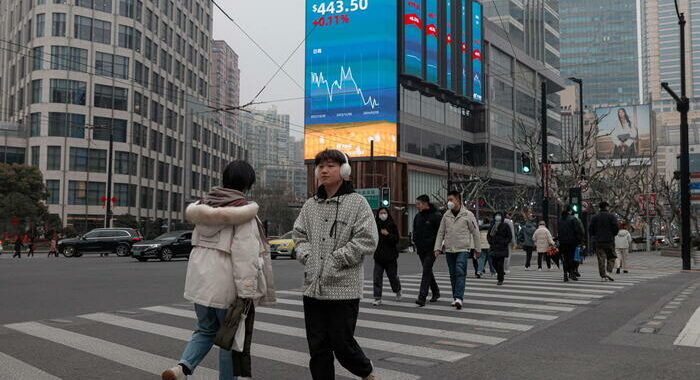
column 229, row 260
column 457, row 236
column 543, row 242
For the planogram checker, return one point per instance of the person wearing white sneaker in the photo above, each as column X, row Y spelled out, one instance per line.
column 223, row 267
column 386, row 256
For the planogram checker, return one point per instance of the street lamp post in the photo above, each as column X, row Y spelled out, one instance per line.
column 108, row 206
column 683, row 105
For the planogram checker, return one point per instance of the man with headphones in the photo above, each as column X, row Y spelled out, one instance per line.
column 334, row 232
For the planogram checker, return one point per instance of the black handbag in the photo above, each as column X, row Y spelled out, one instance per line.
column 227, row 330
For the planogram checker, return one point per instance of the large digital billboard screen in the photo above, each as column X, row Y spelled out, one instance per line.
column 413, row 38
column 465, row 49
column 477, row 73
column 624, row 133
column 432, row 36
column 448, row 44
column 351, row 76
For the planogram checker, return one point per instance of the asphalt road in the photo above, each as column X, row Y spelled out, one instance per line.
column 95, row 317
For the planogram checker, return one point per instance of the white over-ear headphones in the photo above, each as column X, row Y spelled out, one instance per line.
column 345, row 168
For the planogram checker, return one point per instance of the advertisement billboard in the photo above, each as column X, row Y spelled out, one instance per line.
column 413, row 38
column 477, row 73
column 350, row 76
column 448, row 44
column 431, row 41
column 624, row 133
column 465, row 49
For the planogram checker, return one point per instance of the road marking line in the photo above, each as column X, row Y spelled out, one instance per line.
column 19, row 370
column 508, row 285
column 431, row 317
column 375, row 344
column 296, row 358
column 690, row 335
column 411, row 305
column 505, row 296
column 118, row 353
column 513, row 291
column 584, row 280
column 416, row 330
column 618, row 284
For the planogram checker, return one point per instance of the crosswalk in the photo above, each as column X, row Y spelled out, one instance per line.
column 404, row 341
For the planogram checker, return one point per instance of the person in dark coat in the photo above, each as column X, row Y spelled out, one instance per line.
column 425, row 228
column 386, row 256
column 500, row 238
column 18, row 247
column 570, row 237
column 525, row 240
column 604, row 228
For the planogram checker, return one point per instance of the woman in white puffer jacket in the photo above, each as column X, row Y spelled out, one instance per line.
column 229, row 260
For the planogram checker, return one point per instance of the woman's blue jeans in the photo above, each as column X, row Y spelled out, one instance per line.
column 486, row 256
column 208, row 321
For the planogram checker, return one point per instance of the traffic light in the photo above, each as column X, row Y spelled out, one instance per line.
column 386, row 196
column 526, row 163
column 575, row 199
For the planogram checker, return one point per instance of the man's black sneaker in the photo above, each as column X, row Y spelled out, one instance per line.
column 420, row 303
column 574, row 278
column 610, row 278
column 499, row 283
column 618, row 271
column 434, row 299
column 566, row 279
column 625, row 271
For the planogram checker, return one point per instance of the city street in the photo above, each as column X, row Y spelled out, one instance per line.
column 107, row 317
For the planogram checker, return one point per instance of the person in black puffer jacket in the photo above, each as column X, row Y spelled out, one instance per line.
column 386, row 256
column 500, row 238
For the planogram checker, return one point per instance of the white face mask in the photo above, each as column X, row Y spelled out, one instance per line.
column 498, row 218
column 450, row 205
column 383, row 217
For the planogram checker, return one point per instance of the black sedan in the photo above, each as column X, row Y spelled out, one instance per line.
column 165, row 247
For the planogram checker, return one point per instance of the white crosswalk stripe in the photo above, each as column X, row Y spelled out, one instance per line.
column 690, row 335
column 403, row 340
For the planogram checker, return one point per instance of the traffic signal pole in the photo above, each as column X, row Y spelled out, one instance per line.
column 545, row 157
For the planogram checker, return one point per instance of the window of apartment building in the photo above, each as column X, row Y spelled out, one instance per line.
column 36, row 91
column 474, row 154
column 67, row 91
column 147, row 167
column 125, row 194
column 53, row 157
column 111, row 97
column 35, row 155
column 125, row 163
column 66, row 124
column 35, row 124
column 20, row 99
column 68, row 58
column 206, row 137
column 502, row 94
column 156, row 141
column 162, row 200
column 195, row 181
column 205, row 182
column 176, row 175
column 53, row 187
column 525, row 104
column 175, row 202
column 93, row 160
column 88, row 29
column 502, row 158
column 22, row 67
column 206, row 159
column 38, row 58
column 171, row 119
column 163, row 171
column 196, row 132
column 146, row 197
column 111, row 65
column 170, row 146
column 195, row 156
column 139, row 135
column 58, row 24
column 140, row 104
column 85, row 193
column 40, row 25
column 102, row 126
column 98, row 5
column 215, row 163
column 28, row 31
column 156, row 112
column 129, row 38
column 131, row 9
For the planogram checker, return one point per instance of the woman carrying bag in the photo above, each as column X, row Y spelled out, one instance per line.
column 543, row 242
column 386, row 256
column 500, row 238
column 229, row 266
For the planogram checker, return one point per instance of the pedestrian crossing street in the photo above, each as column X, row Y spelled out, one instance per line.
column 405, row 342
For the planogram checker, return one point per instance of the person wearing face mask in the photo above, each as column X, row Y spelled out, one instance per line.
column 457, row 237
column 386, row 256
column 425, row 227
column 500, row 238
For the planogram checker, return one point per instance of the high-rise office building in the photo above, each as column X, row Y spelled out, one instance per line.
column 267, row 136
column 224, row 89
column 601, row 43
column 72, row 71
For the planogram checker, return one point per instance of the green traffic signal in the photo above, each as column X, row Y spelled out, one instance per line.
column 385, row 203
column 574, row 208
column 526, row 169
column 526, row 163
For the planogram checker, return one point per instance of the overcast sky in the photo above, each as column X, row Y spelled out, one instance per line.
column 278, row 26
